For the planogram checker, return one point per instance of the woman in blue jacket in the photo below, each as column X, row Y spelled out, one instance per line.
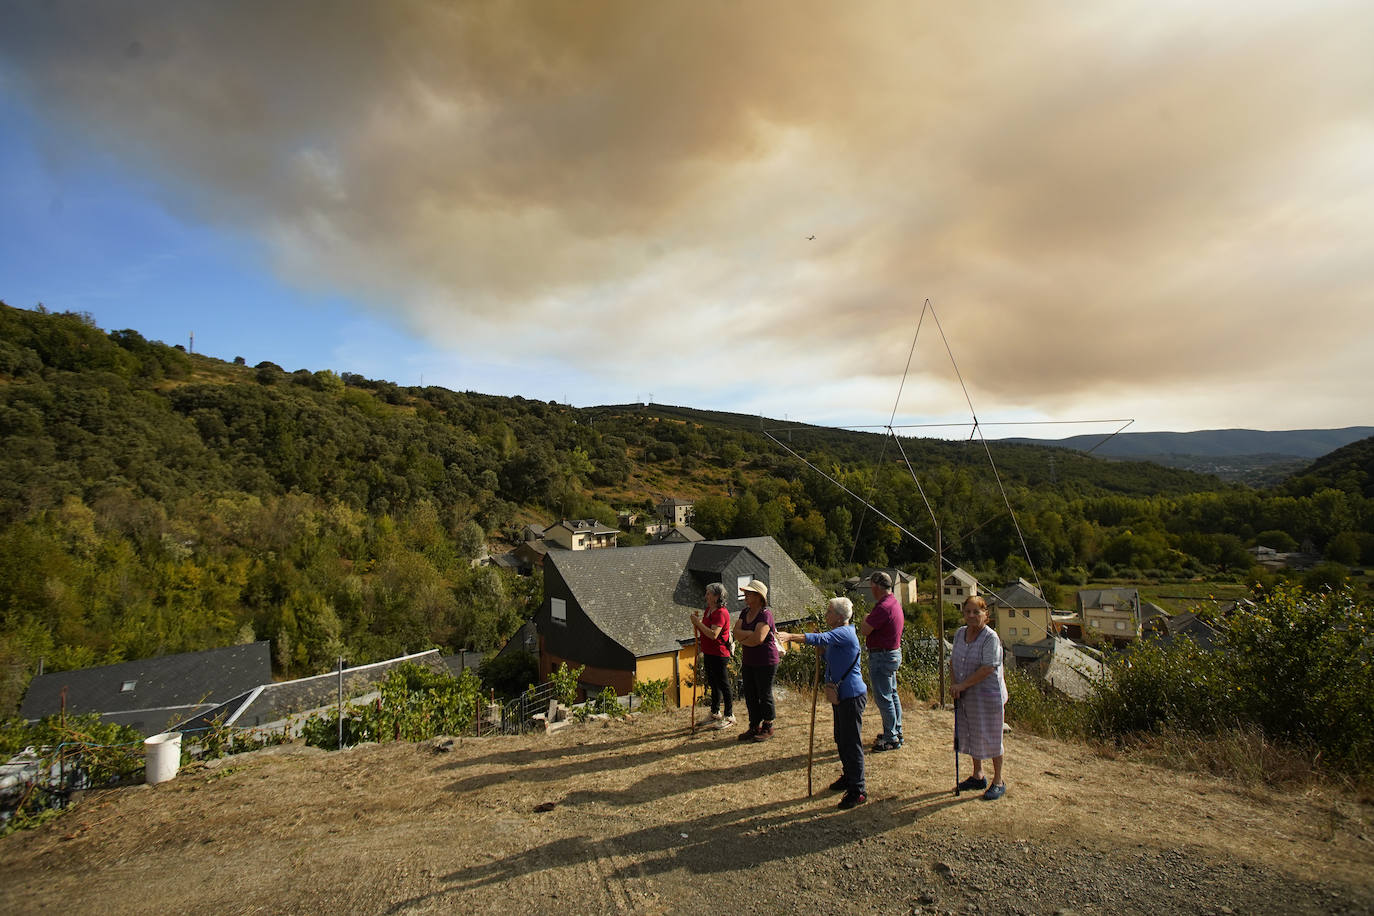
column 841, row 646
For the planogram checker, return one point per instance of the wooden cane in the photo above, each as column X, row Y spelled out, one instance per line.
column 815, row 697
column 956, row 747
column 696, row 676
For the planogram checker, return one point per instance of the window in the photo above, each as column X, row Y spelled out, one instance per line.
column 558, row 610
column 740, row 583
column 1025, row 631
column 128, row 686
column 1121, row 624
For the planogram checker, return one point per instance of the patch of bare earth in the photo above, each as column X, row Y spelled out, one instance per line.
column 645, row 818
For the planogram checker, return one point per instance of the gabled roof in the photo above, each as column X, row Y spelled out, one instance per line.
column 674, row 501
column 859, row 583
column 153, row 688
column 583, row 526
column 963, row 577
column 1096, row 597
column 1020, row 595
column 641, row 597
column 682, row 533
column 713, row 556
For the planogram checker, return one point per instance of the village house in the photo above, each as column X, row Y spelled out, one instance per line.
column 679, row 534
column 625, row 614
column 581, row 534
column 858, row 589
column 676, row 511
column 1111, row 613
column 957, row 587
column 1020, row 614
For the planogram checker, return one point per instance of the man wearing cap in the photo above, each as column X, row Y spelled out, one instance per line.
column 882, row 633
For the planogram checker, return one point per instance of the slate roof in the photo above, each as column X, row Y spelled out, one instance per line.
column 713, row 556
column 1017, row 595
column 959, row 575
column 583, row 526
column 159, row 689
column 859, row 583
column 267, row 703
column 642, row 596
column 458, row 663
column 1072, row 670
column 1121, row 598
column 681, row 533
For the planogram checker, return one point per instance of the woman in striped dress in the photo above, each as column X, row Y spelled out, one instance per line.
column 980, row 695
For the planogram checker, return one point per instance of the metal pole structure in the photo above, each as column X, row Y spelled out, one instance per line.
column 940, row 609
column 340, row 702
column 815, row 697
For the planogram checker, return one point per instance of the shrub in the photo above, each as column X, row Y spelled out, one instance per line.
column 564, row 680
column 607, row 703
column 1177, row 684
column 506, row 674
column 84, row 751
column 1298, row 670
column 413, row 704
column 1038, row 710
column 1303, row 667
column 650, row 694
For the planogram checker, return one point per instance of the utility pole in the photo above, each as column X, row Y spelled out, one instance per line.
column 940, row 608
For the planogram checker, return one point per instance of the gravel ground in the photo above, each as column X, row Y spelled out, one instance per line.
column 643, row 817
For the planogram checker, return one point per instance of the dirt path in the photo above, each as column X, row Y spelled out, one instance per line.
column 646, row 819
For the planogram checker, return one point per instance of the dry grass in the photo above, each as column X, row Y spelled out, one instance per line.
column 1242, row 754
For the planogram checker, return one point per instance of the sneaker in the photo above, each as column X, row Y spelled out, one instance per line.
column 852, row 800
column 764, row 733
column 995, row 792
column 840, row 785
column 727, row 722
column 716, row 716
column 746, row 735
column 973, row 783
column 885, row 744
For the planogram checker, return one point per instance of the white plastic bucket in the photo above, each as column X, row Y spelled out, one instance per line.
column 163, row 754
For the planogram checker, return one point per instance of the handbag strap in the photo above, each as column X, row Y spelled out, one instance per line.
column 857, row 653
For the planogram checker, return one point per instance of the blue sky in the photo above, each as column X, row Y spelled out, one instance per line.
column 1130, row 213
column 83, row 234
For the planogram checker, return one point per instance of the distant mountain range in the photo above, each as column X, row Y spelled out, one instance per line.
column 1251, row 456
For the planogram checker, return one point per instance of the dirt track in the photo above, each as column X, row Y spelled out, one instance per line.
column 647, row 819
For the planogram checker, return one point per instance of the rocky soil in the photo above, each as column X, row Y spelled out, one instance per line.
column 641, row 816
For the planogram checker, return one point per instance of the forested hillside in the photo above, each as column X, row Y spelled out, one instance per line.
column 1349, row 468
column 155, row 501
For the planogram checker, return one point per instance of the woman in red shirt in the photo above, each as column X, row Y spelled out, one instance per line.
column 713, row 652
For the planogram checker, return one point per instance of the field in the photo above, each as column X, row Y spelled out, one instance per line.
column 639, row 816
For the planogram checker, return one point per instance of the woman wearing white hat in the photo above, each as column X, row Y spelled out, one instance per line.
column 759, row 657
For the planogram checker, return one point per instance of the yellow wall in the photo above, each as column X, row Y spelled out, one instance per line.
column 658, row 667
column 1011, row 630
column 1105, row 621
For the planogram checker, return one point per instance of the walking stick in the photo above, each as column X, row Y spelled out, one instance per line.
column 956, row 747
column 815, row 696
column 696, row 676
